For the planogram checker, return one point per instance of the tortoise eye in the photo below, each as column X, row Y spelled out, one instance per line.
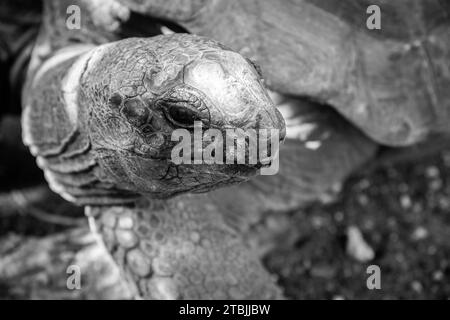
column 183, row 115
column 182, row 106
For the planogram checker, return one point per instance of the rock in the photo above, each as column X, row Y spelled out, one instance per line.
column 357, row 247
column 419, row 234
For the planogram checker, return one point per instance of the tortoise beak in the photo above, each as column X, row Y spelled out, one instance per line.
column 271, row 120
column 281, row 125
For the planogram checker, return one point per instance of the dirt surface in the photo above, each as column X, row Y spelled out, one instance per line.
column 403, row 212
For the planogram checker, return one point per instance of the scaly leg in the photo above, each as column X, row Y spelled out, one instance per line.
column 182, row 249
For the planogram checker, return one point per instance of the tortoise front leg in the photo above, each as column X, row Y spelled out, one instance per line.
column 181, row 249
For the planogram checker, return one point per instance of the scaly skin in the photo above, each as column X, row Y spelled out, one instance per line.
column 182, row 249
column 99, row 119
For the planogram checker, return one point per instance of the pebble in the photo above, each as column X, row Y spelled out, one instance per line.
column 416, row 286
column 391, row 222
column 338, row 216
column 446, row 158
column 364, row 184
column 195, row 237
column 363, row 199
column 435, row 184
column 444, row 203
column 438, row 275
column 420, row 233
column 317, row 222
column 431, row 250
column 313, row 145
column 357, row 247
column 432, row 172
column 405, row 201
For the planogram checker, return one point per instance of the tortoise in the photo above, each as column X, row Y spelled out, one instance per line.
column 97, row 110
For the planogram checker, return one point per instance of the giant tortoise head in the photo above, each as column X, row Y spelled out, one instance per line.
column 179, row 81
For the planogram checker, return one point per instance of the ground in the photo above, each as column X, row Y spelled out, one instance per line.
column 402, row 212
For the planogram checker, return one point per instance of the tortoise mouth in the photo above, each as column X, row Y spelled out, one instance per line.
column 175, row 188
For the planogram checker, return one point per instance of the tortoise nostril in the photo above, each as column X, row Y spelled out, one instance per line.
column 280, row 125
column 283, row 133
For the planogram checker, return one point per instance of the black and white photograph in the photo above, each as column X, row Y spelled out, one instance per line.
column 229, row 150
